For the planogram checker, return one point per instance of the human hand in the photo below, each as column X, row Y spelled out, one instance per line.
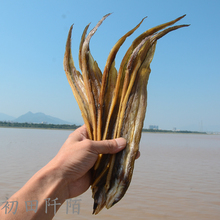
column 79, row 154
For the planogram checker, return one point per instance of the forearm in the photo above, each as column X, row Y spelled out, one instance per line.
column 38, row 198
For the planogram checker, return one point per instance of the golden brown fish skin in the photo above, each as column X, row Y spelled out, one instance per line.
column 130, row 64
column 76, row 83
column 94, row 66
column 105, row 98
column 132, row 127
column 81, row 45
column 137, row 41
column 133, row 66
column 88, row 75
column 105, row 79
column 132, row 69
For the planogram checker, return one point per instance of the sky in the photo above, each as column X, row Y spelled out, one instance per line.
column 184, row 85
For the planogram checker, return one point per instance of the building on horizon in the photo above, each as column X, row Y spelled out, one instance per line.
column 153, row 127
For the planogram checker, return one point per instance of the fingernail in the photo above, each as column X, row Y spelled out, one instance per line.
column 121, row 142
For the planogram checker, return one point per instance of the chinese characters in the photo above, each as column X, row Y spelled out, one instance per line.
column 32, row 205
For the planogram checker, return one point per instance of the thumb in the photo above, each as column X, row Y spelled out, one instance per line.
column 109, row 146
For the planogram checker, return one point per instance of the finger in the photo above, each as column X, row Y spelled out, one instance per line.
column 80, row 133
column 109, row 146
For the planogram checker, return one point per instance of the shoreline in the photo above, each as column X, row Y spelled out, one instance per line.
column 73, row 127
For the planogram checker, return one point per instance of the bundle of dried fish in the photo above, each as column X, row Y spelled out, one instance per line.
column 113, row 104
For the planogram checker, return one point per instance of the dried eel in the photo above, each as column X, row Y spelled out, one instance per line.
column 114, row 104
column 107, row 73
column 108, row 86
column 77, row 84
column 89, row 77
column 133, row 123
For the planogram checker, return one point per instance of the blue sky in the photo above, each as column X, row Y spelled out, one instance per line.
column 184, row 85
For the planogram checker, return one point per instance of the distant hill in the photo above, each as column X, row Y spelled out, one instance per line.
column 4, row 117
column 39, row 118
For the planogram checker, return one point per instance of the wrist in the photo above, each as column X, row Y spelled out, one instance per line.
column 51, row 183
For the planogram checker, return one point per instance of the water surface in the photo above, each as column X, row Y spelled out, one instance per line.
column 176, row 177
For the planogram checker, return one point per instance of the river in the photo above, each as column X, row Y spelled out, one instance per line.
column 176, row 177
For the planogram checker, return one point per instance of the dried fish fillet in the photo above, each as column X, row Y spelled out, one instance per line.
column 113, row 104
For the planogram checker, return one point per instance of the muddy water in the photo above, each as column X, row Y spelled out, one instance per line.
column 176, row 177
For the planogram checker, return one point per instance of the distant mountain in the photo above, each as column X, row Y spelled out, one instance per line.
column 39, row 118
column 4, row 117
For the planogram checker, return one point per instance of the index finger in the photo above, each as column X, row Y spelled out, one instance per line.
column 80, row 133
